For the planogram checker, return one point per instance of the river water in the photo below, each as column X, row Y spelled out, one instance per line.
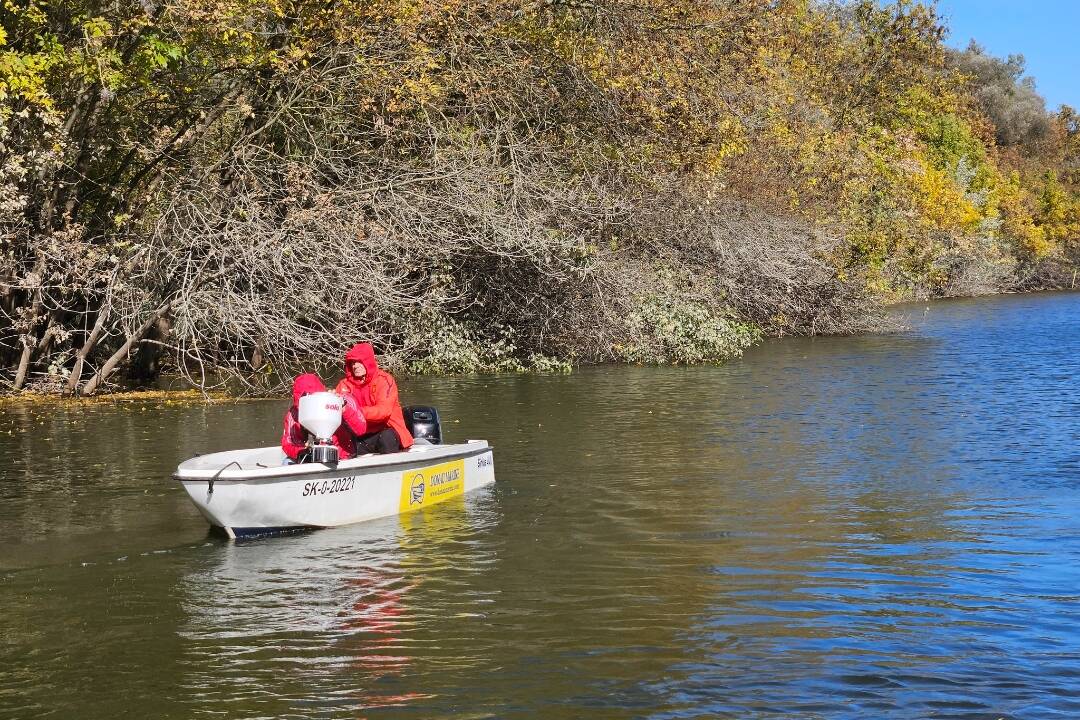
column 864, row 527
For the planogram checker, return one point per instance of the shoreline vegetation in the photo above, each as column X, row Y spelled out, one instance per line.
column 120, row 397
column 230, row 191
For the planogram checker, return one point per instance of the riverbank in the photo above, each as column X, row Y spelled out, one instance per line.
column 492, row 362
column 118, row 397
column 517, row 187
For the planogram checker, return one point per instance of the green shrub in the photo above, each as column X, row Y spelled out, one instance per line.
column 445, row 345
column 672, row 329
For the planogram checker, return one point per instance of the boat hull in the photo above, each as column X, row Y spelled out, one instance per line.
column 242, row 495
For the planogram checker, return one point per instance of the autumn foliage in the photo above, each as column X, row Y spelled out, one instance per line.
column 233, row 189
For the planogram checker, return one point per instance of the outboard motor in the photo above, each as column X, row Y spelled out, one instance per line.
column 320, row 414
column 423, row 423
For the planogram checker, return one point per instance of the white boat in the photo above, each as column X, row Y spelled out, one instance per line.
column 251, row 492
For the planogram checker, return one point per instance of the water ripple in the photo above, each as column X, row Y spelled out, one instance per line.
column 830, row 528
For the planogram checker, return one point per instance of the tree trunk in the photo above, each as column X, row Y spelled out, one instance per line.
column 29, row 342
column 117, row 357
column 53, row 329
column 147, row 362
column 24, row 363
column 91, row 341
column 257, row 359
column 31, row 349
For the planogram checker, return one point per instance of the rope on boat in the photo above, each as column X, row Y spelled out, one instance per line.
column 210, row 485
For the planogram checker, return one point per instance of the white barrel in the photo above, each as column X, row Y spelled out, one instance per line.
column 320, row 414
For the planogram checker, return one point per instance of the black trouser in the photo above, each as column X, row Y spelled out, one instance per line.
column 382, row 442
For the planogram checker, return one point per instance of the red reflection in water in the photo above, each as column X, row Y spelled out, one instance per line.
column 376, row 621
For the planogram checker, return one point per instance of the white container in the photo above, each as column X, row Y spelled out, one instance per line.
column 320, row 414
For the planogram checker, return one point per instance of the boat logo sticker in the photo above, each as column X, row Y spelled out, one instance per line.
column 417, row 486
column 424, row 486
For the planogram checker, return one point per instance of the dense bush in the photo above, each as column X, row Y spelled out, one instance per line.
column 235, row 189
column 1005, row 95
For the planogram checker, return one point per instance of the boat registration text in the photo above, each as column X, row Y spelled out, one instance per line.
column 326, row 487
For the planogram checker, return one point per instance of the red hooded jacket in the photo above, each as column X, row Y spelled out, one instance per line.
column 376, row 394
column 294, row 437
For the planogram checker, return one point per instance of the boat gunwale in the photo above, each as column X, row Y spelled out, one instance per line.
column 469, row 448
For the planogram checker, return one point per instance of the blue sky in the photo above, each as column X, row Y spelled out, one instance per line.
column 1045, row 32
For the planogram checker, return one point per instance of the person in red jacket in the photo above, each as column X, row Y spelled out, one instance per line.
column 375, row 391
column 294, row 439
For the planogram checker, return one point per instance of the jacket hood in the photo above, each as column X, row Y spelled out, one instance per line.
column 365, row 354
column 304, row 384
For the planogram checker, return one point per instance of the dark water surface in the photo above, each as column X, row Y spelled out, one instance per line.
column 829, row 528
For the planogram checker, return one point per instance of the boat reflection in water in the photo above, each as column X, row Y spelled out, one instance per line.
column 322, row 623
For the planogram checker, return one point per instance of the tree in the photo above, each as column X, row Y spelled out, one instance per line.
column 1005, row 94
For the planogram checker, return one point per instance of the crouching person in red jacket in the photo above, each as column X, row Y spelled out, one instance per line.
column 295, row 440
column 375, row 391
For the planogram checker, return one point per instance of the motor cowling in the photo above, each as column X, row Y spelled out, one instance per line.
column 423, row 423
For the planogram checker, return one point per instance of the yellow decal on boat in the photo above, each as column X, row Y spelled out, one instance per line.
column 427, row 486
